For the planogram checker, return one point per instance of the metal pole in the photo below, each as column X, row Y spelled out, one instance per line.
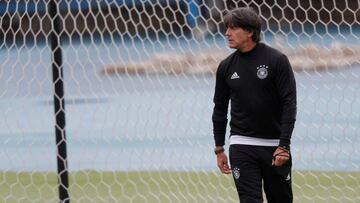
column 59, row 104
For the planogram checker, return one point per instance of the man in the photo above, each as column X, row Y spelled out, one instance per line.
column 259, row 82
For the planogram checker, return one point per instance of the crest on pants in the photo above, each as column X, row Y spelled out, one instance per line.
column 236, row 173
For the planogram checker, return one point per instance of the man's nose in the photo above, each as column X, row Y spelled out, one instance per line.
column 228, row 32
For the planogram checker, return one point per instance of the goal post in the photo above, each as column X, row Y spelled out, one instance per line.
column 138, row 86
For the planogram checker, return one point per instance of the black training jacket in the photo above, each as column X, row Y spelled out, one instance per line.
column 261, row 87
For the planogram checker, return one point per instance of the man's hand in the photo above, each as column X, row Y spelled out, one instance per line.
column 280, row 156
column 222, row 163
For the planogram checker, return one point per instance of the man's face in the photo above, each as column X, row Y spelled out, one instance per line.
column 238, row 37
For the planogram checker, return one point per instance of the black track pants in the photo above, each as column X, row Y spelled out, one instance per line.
column 251, row 166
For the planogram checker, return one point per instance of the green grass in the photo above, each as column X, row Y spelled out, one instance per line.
column 92, row 186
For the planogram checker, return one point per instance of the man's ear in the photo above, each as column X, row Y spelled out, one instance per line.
column 250, row 34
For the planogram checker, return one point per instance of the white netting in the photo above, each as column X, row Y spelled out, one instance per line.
column 139, row 81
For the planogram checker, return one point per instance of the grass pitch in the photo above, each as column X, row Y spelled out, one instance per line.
column 137, row 187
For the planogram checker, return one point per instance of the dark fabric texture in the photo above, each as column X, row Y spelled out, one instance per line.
column 251, row 166
column 261, row 87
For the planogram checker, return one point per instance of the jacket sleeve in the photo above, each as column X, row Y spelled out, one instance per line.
column 286, row 86
column 221, row 101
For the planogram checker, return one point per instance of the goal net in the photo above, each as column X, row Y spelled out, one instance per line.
column 138, row 86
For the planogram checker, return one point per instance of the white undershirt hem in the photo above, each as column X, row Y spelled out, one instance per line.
column 245, row 140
